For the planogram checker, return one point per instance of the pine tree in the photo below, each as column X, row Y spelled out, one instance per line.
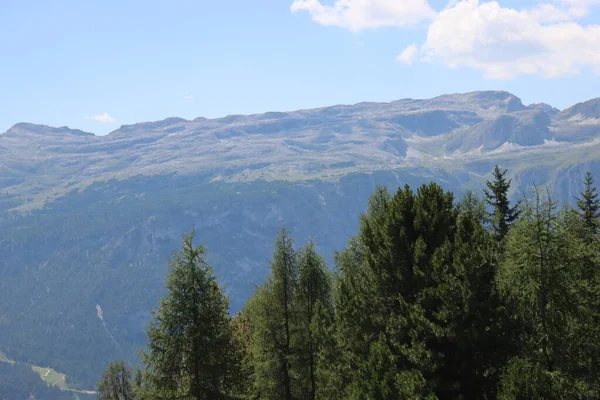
column 190, row 335
column 503, row 215
column 116, row 383
column 273, row 315
column 385, row 307
column 589, row 208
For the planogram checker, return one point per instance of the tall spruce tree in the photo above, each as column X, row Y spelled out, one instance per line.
column 589, row 207
column 190, row 335
column 273, row 315
column 496, row 195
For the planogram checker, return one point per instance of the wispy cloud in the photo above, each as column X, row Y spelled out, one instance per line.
column 357, row 15
column 189, row 97
column 104, row 118
column 409, row 55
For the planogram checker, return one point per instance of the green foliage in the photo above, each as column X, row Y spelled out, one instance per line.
column 18, row 381
column 526, row 381
column 241, row 357
column 291, row 316
column 544, row 275
column 190, row 337
column 276, row 323
column 109, row 244
column 496, row 195
column 426, row 303
column 116, row 383
column 589, row 208
column 417, row 313
column 315, row 314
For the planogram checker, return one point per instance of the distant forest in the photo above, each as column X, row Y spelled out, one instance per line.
column 433, row 298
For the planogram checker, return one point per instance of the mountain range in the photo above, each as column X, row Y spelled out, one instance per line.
column 88, row 223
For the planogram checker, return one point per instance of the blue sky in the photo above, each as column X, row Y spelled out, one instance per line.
column 98, row 65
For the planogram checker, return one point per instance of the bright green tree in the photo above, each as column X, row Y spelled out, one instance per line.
column 541, row 276
column 496, row 195
column 190, row 336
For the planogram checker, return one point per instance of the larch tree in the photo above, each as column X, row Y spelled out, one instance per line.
column 540, row 275
column 314, row 306
column 190, row 336
column 273, row 315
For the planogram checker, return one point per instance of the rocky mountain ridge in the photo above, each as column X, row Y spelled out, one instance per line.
column 39, row 162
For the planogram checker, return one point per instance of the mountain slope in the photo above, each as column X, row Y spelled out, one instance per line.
column 87, row 222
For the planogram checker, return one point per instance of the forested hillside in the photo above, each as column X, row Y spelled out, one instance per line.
column 88, row 223
column 435, row 297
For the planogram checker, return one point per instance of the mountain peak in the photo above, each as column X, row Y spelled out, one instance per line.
column 587, row 109
column 501, row 98
column 25, row 127
column 153, row 125
column 547, row 108
column 495, row 101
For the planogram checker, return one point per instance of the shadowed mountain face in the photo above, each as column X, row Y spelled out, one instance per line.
column 89, row 221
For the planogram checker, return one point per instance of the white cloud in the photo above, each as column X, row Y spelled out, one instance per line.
column 409, row 55
column 505, row 43
column 357, row 15
column 546, row 39
column 189, row 97
column 101, row 118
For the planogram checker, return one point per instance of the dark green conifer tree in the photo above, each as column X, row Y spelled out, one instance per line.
column 476, row 330
column 496, row 195
column 384, row 291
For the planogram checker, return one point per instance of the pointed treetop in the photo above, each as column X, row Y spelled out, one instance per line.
column 496, row 196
